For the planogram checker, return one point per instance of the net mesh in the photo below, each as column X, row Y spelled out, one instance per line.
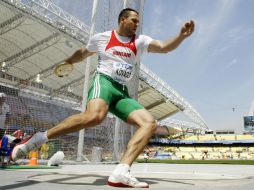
column 32, row 110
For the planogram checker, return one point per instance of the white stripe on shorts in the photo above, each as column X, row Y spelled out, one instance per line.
column 96, row 89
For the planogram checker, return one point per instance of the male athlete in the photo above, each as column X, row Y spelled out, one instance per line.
column 119, row 52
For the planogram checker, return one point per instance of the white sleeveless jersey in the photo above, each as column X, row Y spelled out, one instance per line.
column 118, row 55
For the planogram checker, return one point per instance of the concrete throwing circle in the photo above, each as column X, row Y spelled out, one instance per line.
column 155, row 179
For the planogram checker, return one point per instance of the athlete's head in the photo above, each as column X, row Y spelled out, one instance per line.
column 128, row 21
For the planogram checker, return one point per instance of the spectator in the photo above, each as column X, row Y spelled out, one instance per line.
column 4, row 110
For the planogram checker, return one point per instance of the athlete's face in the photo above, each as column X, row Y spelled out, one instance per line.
column 130, row 23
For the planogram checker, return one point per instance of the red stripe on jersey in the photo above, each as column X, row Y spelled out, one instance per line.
column 115, row 42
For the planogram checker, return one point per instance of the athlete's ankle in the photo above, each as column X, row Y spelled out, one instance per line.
column 121, row 169
column 46, row 136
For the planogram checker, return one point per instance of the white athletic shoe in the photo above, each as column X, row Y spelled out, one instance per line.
column 26, row 145
column 126, row 180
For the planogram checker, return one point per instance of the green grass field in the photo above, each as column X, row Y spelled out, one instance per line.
column 237, row 162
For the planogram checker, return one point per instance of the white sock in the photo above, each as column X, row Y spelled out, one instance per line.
column 46, row 136
column 121, row 169
column 41, row 138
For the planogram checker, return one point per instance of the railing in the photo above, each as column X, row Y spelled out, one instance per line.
column 53, row 15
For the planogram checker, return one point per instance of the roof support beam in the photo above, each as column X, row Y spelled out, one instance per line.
column 73, row 83
column 46, row 72
column 168, row 115
column 11, row 23
column 143, row 90
column 33, row 49
column 161, row 101
column 70, row 84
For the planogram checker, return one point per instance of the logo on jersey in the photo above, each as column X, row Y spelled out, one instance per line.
column 122, row 54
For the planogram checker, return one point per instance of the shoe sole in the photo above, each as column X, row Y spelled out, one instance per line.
column 123, row 185
column 15, row 149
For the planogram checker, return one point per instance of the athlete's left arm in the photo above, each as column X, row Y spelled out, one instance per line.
column 157, row 46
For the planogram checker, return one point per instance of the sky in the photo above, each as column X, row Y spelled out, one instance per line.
column 213, row 68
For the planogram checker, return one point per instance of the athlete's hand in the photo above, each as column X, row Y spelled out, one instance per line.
column 187, row 29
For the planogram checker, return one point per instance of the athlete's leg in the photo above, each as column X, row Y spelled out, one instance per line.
column 121, row 176
column 96, row 111
column 146, row 128
column 99, row 98
column 132, row 112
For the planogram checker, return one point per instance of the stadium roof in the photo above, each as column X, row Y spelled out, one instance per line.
column 36, row 36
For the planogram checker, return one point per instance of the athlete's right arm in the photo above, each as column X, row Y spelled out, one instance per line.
column 79, row 55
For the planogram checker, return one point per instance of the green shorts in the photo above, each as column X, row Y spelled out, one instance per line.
column 115, row 94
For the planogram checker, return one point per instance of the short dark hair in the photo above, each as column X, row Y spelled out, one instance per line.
column 125, row 13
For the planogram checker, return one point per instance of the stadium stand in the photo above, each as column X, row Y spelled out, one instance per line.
column 205, row 147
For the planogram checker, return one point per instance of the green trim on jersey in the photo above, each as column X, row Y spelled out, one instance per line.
column 115, row 94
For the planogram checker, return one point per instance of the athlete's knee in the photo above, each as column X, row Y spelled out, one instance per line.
column 96, row 118
column 151, row 125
